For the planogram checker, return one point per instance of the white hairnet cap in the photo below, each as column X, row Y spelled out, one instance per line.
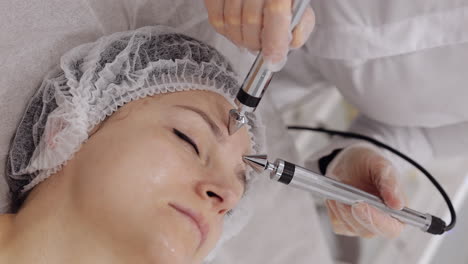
column 95, row 79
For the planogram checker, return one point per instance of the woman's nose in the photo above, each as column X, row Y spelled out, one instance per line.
column 221, row 196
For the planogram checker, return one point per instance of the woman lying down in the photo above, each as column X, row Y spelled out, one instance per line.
column 123, row 156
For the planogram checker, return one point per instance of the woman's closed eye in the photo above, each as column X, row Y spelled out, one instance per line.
column 187, row 140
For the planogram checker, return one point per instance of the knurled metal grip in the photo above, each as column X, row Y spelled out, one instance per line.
column 247, row 99
column 288, row 173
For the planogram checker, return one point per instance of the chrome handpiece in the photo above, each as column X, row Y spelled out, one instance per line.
column 301, row 178
column 258, row 79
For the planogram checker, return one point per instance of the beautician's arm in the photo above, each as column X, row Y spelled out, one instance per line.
column 378, row 172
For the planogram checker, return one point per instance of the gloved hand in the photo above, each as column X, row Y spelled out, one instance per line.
column 364, row 167
column 261, row 25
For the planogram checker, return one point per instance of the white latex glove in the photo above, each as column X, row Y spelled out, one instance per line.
column 261, row 25
column 364, row 166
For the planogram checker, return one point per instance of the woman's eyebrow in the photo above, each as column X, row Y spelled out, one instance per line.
column 214, row 128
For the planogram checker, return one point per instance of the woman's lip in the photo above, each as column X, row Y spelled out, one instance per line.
column 197, row 219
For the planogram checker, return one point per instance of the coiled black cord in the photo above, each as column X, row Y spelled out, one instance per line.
column 453, row 216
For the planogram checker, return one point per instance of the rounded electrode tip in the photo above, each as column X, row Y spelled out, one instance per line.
column 236, row 121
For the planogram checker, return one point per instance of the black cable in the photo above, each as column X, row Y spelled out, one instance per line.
column 441, row 190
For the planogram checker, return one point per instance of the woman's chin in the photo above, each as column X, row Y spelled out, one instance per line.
column 170, row 248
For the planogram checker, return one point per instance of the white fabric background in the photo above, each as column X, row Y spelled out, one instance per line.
column 401, row 63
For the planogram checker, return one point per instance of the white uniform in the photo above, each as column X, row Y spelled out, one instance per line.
column 33, row 36
column 403, row 64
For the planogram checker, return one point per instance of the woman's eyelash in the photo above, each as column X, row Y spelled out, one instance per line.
column 187, row 139
column 229, row 213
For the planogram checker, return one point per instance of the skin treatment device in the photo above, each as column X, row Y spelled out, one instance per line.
column 257, row 80
column 301, row 178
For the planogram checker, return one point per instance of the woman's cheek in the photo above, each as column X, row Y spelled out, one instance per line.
column 170, row 165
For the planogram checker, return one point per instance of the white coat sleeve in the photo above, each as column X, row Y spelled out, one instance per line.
column 420, row 144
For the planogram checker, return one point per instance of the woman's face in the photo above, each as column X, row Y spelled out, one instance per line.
column 159, row 176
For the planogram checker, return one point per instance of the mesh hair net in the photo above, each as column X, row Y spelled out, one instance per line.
column 95, row 79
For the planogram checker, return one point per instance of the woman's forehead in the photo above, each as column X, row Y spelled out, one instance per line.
column 208, row 98
column 209, row 102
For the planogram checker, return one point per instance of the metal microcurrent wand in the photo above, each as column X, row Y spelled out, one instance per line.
column 301, row 178
column 258, row 79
